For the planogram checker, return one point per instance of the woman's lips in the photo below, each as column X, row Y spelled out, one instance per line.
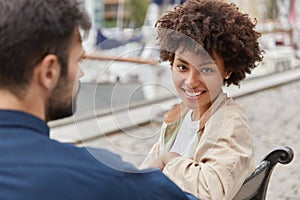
column 194, row 93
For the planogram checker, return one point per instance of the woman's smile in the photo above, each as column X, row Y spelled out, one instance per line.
column 193, row 94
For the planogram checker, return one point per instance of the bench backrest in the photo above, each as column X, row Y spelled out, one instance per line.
column 255, row 186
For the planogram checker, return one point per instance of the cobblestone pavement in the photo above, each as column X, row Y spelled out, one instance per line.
column 274, row 116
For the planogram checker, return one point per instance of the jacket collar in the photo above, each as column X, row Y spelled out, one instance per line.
column 19, row 119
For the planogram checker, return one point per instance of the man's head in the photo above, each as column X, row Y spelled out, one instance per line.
column 33, row 32
column 215, row 26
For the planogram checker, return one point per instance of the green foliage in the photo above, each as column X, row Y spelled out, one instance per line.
column 110, row 23
column 137, row 11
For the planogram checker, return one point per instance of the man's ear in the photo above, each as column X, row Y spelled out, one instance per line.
column 49, row 71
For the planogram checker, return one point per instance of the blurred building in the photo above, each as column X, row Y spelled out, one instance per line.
column 277, row 21
column 107, row 13
column 96, row 11
column 115, row 13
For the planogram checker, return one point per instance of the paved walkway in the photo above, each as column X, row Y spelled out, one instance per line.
column 274, row 116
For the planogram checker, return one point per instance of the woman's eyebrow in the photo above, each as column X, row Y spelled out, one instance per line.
column 182, row 60
column 206, row 63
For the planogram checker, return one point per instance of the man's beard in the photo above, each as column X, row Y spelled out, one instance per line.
column 61, row 103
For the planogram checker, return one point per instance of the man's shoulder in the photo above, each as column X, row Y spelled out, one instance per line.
column 92, row 159
column 48, row 165
column 106, row 171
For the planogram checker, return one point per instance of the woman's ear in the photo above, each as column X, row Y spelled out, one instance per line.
column 49, row 71
column 228, row 74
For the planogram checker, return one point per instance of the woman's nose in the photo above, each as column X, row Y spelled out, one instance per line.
column 193, row 78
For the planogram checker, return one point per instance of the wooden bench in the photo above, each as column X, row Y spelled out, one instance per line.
column 255, row 186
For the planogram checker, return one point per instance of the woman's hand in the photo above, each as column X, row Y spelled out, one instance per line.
column 161, row 161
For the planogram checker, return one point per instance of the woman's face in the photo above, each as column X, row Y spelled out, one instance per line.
column 198, row 78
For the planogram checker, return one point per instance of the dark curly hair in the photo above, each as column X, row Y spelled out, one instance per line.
column 218, row 27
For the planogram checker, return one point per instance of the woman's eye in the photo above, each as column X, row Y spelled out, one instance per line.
column 181, row 67
column 207, row 70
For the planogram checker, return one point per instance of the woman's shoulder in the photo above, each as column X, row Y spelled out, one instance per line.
column 231, row 109
column 176, row 113
column 233, row 106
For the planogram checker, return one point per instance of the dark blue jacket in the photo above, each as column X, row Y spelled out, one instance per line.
column 34, row 167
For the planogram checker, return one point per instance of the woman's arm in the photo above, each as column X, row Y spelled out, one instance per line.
column 221, row 163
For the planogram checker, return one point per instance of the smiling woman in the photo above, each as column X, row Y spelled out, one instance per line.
column 205, row 144
column 197, row 81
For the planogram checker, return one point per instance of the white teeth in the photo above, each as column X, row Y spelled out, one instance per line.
column 193, row 94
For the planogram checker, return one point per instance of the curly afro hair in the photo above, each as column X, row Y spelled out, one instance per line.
column 217, row 27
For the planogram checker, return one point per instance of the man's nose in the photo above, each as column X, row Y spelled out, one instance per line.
column 80, row 73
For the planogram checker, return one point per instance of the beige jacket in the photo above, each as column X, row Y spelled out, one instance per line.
column 223, row 157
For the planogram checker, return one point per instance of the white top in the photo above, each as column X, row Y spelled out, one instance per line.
column 187, row 135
